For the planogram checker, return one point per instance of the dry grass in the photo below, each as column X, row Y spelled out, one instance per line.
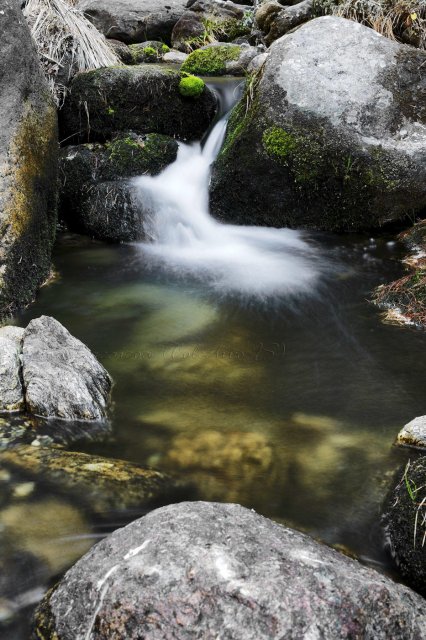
column 396, row 19
column 66, row 42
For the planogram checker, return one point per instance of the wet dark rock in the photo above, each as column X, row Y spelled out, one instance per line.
column 140, row 98
column 122, row 50
column 104, row 485
column 208, row 21
column 203, row 569
column 28, row 164
column 62, row 378
column 133, row 21
column 323, row 144
column 404, row 521
column 97, row 197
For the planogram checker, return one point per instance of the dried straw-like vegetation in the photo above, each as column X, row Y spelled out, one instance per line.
column 402, row 20
column 405, row 299
column 66, row 41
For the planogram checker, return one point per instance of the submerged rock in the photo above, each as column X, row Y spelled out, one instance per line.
column 227, row 467
column 405, row 523
column 140, row 98
column 28, row 164
column 102, row 484
column 413, row 434
column 33, row 524
column 133, row 21
column 323, row 144
column 62, row 378
column 96, row 197
column 11, row 392
column 204, row 569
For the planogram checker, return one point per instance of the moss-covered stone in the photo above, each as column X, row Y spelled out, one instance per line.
column 28, row 166
column 96, row 196
column 140, row 98
column 212, row 60
column 146, row 52
column 191, row 86
column 284, row 164
column 405, row 523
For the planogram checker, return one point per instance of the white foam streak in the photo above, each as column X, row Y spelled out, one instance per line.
column 254, row 261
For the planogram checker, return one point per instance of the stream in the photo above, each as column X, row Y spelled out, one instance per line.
column 222, row 338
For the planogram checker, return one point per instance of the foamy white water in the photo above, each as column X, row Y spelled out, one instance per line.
column 185, row 239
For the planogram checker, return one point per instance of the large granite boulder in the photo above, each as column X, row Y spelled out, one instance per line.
column 28, row 163
column 97, row 197
column 404, row 521
column 206, row 570
column 140, row 98
column 61, row 377
column 134, row 20
column 334, row 136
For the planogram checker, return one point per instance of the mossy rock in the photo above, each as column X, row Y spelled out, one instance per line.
column 211, row 61
column 322, row 146
column 150, row 51
column 405, row 523
column 28, row 166
column 96, row 196
column 208, row 22
column 141, row 98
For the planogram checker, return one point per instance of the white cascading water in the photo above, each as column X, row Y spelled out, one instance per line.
column 185, row 239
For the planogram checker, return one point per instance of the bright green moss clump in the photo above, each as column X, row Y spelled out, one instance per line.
column 191, row 87
column 149, row 51
column 278, row 142
column 211, row 61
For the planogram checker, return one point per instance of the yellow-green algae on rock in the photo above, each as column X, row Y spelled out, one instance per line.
column 28, row 164
column 103, row 484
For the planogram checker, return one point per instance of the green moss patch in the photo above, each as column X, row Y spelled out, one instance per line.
column 191, row 87
column 278, row 142
column 211, row 61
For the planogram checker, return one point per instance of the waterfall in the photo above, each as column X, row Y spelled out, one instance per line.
column 186, row 240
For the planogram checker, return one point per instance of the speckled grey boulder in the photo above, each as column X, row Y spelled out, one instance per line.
column 413, row 434
column 62, row 378
column 334, row 137
column 11, row 393
column 207, row 570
